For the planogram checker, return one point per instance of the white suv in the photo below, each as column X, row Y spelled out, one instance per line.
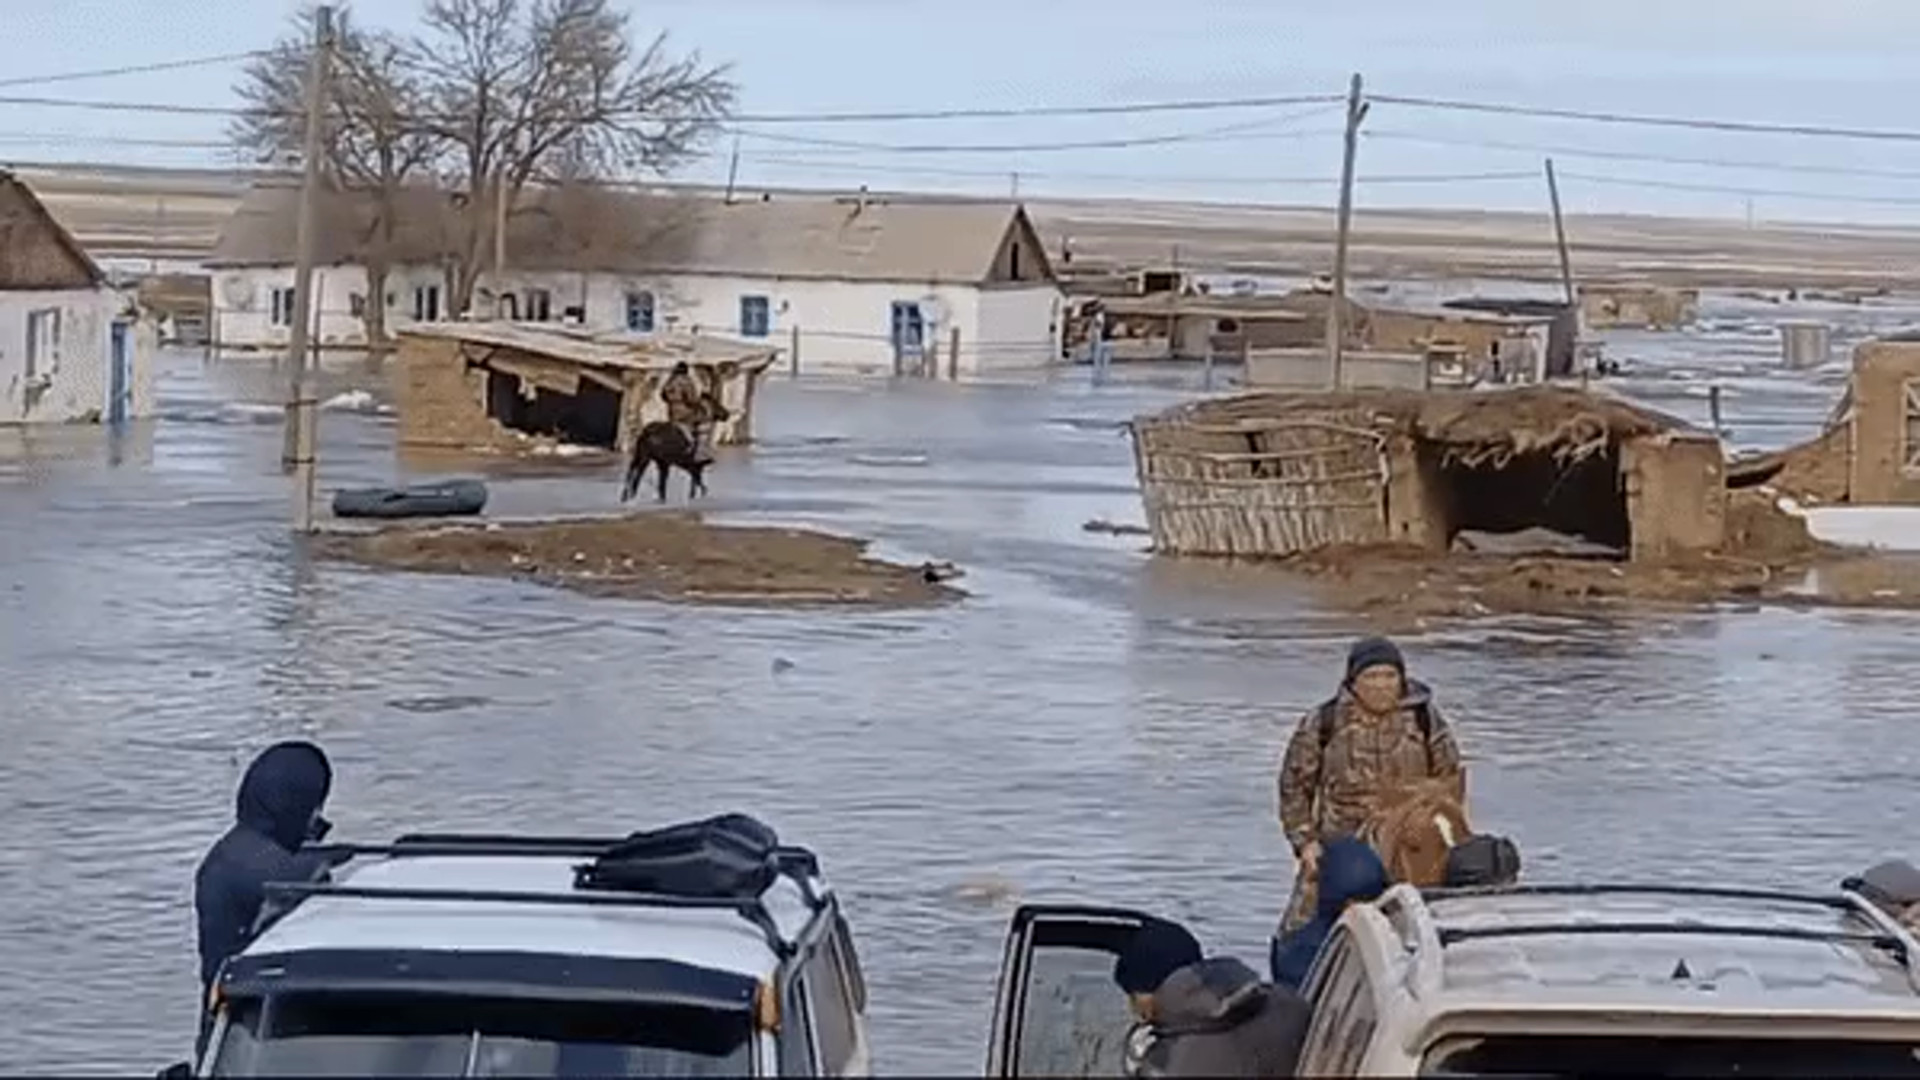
column 478, row 956
column 1624, row 980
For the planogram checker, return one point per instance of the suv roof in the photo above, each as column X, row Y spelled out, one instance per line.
column 468, row 894
column 1658, row 948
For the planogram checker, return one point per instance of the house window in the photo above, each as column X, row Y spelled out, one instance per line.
column 357, row 305
column 509, row 307
column 640, row 312
column 756, row 317
column 539, row 305
column 280, row 307
column 1910, row 430
column 426, row 303
column 43, row 341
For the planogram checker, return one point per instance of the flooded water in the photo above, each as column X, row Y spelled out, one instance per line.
column 1091, row 725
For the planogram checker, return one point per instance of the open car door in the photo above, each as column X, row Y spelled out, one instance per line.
column 1058, row 1012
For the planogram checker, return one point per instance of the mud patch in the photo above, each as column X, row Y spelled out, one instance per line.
column 675, row 557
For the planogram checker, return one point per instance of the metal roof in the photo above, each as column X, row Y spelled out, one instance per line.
column 1671, row 947
column 717, row 939
column 601, row 350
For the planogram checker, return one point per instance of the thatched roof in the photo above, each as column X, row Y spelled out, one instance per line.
column 1489, row 425
column 623, row 231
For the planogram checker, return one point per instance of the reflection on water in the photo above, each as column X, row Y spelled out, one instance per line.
column 1093, row 725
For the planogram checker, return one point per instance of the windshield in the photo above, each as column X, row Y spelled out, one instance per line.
column 1553, row 1055
column 361, row 1034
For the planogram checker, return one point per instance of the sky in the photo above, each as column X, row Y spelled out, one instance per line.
column 1835, row 63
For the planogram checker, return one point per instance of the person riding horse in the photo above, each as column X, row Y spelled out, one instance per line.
column 687, row 407
column 1380, row 734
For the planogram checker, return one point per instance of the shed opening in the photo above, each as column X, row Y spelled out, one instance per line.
column 1499, row 492
column 588, row 418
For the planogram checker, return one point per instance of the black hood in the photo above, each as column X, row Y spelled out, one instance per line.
column 283, row 792
column 1212, row 995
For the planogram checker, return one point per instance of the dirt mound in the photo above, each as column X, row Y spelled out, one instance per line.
column 1758, row 529
column 653, row 556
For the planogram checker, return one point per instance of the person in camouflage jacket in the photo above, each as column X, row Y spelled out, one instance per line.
column 1379, row 732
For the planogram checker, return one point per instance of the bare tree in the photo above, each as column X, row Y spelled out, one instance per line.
column 529, row 92
column 376, row 143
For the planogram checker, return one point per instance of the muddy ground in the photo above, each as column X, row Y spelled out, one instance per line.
column 676, row 557
column 1769, row 557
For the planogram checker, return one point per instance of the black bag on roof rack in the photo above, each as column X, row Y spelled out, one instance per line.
column 725, row 856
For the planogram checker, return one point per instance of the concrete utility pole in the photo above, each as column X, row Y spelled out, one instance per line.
column 500, row 247
column 300, row 411
column 1336, row 311
column 1560, row 234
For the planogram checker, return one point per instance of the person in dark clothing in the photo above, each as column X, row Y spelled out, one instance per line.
column 1204, row 1017
column 277, row 809
column 1349, row 872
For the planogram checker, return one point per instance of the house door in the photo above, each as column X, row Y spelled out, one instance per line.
column 120, row 375
column 909, row 336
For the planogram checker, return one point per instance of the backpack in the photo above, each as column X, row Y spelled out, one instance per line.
column 728, row 855
column 1329, row 712
column 1892, row 886
column 1481, row 861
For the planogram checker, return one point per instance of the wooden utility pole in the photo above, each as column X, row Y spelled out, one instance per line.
column 500, row 246
column 1560, row 234
column 1336, row 311
column 733, row 169
column 300, row 411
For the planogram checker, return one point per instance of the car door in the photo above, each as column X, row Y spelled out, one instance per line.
column 1058, row 1011
column 1345, row 1014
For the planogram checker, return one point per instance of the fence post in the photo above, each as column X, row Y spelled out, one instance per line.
column 793, row 354
column 953, row 354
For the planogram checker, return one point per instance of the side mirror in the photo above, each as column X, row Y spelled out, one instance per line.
column 179, row 1070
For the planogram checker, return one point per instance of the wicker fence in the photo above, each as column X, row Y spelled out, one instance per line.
column 1267, row 486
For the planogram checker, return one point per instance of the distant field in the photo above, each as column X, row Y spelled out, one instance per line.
column 128, row 212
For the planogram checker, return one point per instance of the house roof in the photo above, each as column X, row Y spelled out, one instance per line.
column 27, row 231
column 616, row 231
column 655, row 353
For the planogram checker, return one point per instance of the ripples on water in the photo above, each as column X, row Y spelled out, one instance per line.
column 1090, row 726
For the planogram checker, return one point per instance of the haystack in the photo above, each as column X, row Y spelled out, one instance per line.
column 1273, row 474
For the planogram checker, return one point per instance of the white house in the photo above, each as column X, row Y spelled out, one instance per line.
column 872, row 285
column 69, row 346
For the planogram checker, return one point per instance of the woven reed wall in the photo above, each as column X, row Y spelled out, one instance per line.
column 1254, row 487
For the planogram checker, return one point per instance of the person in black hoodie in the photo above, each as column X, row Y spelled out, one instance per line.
column 276, row 810
column 1204, row 1017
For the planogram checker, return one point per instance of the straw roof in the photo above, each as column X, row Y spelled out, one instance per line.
column 631, row 232
column 1480, row 427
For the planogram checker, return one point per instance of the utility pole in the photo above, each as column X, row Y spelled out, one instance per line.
column 733, row 169
column 500, row 245
column 1560, row 234
column 1014, row 186
column 1336, row 341
column 300, row 411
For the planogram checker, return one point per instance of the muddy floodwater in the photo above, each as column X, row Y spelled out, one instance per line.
column 1087, row 724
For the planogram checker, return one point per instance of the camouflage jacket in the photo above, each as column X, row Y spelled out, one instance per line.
column 1330, row 790
column 682, row 399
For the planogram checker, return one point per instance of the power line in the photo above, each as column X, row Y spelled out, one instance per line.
column 1238, row 130
column 1692, row 123
column 1028, row 112
column 1231, row 181
column 1767, row 193
column 137, row 69
column 1662, row 159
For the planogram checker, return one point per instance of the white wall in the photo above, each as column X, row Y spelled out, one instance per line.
column 243, row 304
column 1018, row 329
column 76, row 369
column 845, row 325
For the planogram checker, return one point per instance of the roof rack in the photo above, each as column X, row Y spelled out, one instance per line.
column 1452, row 934
column 1826, row 900
column 797, row 864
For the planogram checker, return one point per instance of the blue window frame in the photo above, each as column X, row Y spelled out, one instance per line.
column 640, row 312
column 756, row 317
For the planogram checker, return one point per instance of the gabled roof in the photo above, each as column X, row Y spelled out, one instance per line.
column 36, row 251
column 616, row 231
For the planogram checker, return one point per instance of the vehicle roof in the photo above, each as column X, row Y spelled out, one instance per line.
column 718, row 938
column 1663, row 949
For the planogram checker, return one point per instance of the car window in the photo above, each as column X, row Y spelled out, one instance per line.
column 795, row 1044
column 1075, row 1020
column 828, row 1000
column 1330, row 991
column 1357, row 1024
column 850, row 962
